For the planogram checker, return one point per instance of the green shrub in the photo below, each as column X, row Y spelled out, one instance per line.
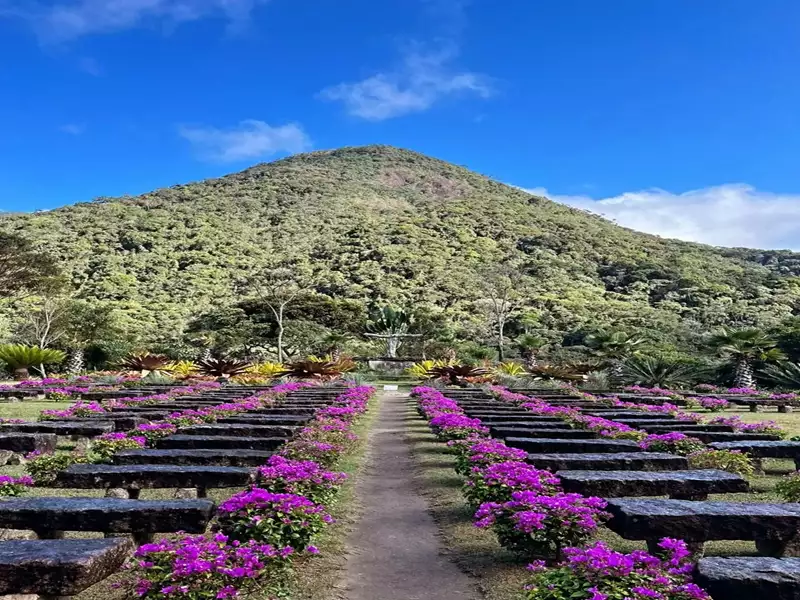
column 44, row 467
column 788, row 487
column 731, row 461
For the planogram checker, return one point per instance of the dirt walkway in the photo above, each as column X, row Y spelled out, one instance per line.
column 394, row 551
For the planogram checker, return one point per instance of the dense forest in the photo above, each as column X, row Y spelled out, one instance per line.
column 370, row 226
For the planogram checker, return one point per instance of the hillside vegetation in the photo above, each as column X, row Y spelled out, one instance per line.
column 382, row 225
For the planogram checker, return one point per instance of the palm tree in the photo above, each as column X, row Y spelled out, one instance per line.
column 333, row 344
column 745, row 347
column 392, row 325
column 529, row 344
column 613, row 347
column 21, row 358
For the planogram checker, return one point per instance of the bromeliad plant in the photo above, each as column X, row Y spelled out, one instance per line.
column 224, row 368
column 457, row 375
column 599, row 573
column 542, row 526
column 146, row 363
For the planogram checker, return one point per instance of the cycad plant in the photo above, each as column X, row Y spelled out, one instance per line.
column 744, row 348
column 529, row 346
column 21, row 358
column 392, row 325
column 614, row 347
column 784, row 374
column 658, row 371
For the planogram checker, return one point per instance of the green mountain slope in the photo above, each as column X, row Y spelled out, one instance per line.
column 382, row 224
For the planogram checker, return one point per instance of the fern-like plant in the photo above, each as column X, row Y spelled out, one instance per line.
column 222, row 367
column 21, row 358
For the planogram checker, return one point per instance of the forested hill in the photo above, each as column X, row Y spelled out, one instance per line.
column 380, row 224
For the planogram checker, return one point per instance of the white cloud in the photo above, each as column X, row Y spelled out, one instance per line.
column 72, row 128
column 248, row 140
column 66, row 21
column 418, row 83
column 724, row 215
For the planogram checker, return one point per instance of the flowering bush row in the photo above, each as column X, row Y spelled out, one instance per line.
column 259, row 529
column 532, row 515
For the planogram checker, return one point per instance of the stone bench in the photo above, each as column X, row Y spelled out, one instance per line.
column 615, row 461
column 138, row 477
column 773, row 527
column 240, row 430
column 758, row 450
column 744, row 578
column 49, row 518
column 217, row 458
column 616, row 415
column 62, row 428
column 685, row 427
column 757, row 404
column 564, row 433
column 121, row 421
column 290, row 420
column 561, row 425
column 23, row 443
column 721, row 436
column 59, row 568
column 216, row 442
column 281, row 411
column 684, row 485
column 561, row 446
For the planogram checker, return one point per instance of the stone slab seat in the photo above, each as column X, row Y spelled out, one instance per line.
column 694, row 484
column 28, row 442
column 217, row 442
column 548, row 445
column 280, row 410
column 682, row 427
column 138, row 477
column 49, row 518
column 745, row 578
column 774, row 527
column 764, row 449
column 59, row 568
column 286, row 420
column 240, row 429
column 218, row 458
column 82, row 429
column 565, row 433
column 615, row 461
column 529, row 424
column 122, row 422
column 721, row 436
column 630, row 414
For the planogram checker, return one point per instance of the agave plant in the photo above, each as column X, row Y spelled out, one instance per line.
column 146, row 363
column 222, row 367
column 182, row 368
column 457, row 374
column 21, row 358
column 312, row 369
column 510, row 367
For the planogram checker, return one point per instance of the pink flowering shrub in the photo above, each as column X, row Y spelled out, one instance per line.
column 269, row 518
column 676, row 443
column 200, row 568
column 14, row 486
column 713, row 404
column 480, row 452
column 104, row 447
column 454, row 427
column 606, row 428
column 497, row 482
column 599, row 573
column 153, row 432
column 542, row 526
column 301, row 477
column 735, row 421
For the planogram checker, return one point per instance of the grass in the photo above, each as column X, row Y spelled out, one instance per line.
column 29, row 410
column 318, row 577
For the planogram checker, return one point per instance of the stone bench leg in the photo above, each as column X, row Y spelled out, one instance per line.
column 49, row 534
column 778, row 548
column 202, row 492
column 123, row 493
column 784, row 409
column 756, row 408
column 186, row 493
column 697, row 549
column 697, row 497
column 82, row 443
column 797, row 463
column 758, row 465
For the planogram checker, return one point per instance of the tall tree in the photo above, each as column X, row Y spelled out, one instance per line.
column 22, row 267
column 744, row 348
column 278, row 287
column 504, row 287
column 391, row 325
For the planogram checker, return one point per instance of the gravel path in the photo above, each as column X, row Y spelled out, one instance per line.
column 394, row 551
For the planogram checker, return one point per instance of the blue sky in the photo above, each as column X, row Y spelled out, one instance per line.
column 672, row 116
